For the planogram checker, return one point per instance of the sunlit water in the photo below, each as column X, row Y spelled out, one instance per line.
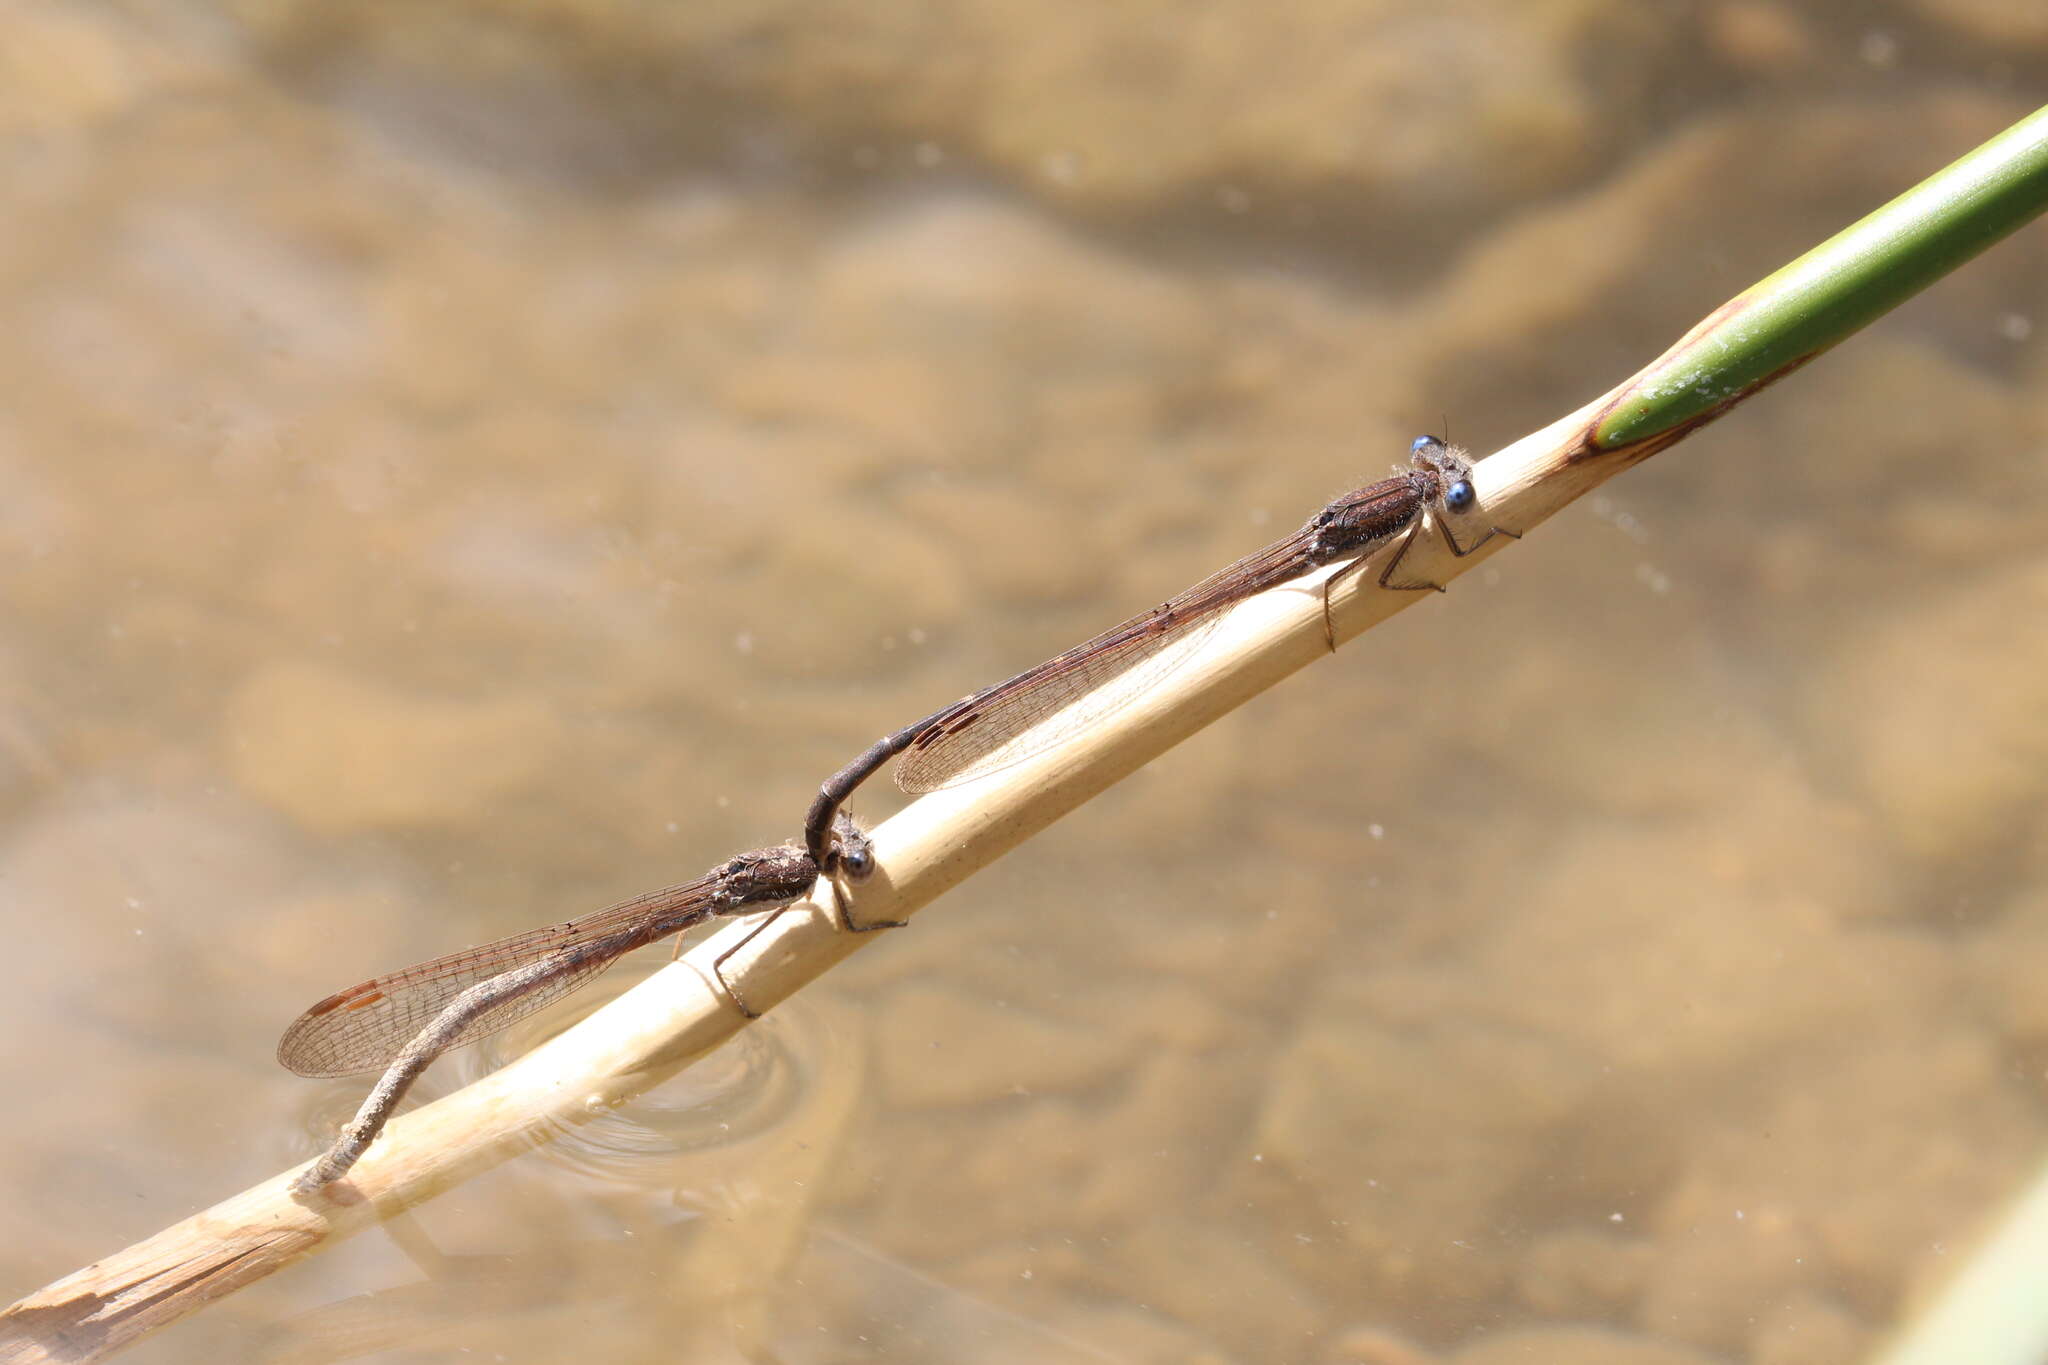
column 457, row 472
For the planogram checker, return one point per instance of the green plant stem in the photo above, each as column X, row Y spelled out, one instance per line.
column 1838, row 288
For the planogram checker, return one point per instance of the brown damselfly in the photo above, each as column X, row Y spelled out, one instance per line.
column 401, row 1021
column 1002, row 725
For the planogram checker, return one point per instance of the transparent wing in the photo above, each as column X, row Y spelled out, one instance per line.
column 365, row 1026
column 998, row 731
column 994, row 729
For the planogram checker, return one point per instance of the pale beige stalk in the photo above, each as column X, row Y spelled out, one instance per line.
column 677, row 1016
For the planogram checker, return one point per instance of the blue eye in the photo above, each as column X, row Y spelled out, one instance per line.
column 1460, row 495
column 1423, row 444
column 858, row 862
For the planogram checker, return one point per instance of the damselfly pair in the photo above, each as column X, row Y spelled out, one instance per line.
column 401, row 1021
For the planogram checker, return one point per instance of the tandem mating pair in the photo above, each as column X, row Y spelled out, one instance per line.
column 402, row 1021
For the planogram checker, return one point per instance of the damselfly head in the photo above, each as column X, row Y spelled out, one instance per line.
column 1451, row 467
column 856, row 854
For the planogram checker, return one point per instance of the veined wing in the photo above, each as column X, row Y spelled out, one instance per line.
column 987, row 732
column 364, row 1027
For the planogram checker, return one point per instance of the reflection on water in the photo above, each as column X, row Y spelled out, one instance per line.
column 695, row 1202
column 793, row 1078
column 458, row 472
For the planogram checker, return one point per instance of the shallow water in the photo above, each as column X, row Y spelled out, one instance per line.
column 457, row 474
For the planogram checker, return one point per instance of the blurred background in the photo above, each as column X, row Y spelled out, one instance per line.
column 464, row 464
